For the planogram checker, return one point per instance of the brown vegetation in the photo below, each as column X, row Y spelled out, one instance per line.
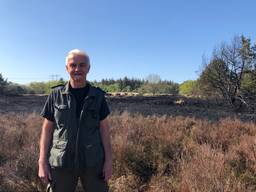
column 151, row 153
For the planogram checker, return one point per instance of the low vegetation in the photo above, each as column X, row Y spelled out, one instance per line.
column 150, row 153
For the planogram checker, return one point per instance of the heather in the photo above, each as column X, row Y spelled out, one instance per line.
column 150, row 153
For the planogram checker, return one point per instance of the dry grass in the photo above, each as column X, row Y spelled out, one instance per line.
column 150, row 153
column 18, row 152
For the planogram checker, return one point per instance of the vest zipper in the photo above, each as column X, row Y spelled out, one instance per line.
column 77, row 137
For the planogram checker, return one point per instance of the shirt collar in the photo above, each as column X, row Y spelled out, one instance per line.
column 91, row 92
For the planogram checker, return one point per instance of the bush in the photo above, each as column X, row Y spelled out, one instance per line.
column 189, row 88
column 149, row 154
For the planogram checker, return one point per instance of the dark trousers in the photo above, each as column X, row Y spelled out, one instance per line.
column 66, row 181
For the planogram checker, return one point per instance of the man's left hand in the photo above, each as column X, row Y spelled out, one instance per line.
column 107, row 170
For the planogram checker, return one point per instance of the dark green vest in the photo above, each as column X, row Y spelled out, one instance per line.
column 76, row 142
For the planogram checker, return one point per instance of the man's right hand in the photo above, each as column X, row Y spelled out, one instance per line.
column 45, row 141
column 44, row 172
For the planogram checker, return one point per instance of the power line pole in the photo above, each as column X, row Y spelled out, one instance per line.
column 54, row 77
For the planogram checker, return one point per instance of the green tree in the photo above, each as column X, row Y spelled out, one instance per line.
column 15, row 89
column 44, row 87
column 112, row 88
column 224, row 74
column 3, row 84
column 189, row 87
column 159, row 88
column 37, row 87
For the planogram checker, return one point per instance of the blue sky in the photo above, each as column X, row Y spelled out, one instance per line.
column 131, row 38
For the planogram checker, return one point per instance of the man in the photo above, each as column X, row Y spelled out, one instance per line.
column 75, row 141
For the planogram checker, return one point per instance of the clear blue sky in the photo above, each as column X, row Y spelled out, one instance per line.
column 131, row 38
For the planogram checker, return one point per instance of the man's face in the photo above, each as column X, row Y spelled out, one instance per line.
column 77, row 67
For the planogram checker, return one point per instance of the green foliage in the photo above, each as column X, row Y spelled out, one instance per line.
column 37, row 87
column 15, row 89
column 119, row 85
column 43, row 87
column 249, row 83
column 189, row 87
column 159, row 88
column 214, row 79
column 3, row 81
column 9, row 88
column 231, row 73
column 152, row 85
column 3, row 84
column 110, row 88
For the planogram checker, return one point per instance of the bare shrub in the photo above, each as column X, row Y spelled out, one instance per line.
column 204, row 172
column 151, row 153
column 162, row 184
column 127, row 183
column 222, row 134
column 242, row 159
column 19, row 149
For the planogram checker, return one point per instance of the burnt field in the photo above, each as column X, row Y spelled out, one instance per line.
column 160, row 144
column 170, row 105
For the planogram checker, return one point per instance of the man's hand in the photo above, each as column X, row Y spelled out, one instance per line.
column 107, row 170
column 44, row 172
column 45, row 141
column 105, row 137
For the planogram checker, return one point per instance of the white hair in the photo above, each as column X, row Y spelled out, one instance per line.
column 78, row 52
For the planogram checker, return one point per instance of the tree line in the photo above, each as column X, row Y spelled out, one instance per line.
column 10, row 88
column 152, row 84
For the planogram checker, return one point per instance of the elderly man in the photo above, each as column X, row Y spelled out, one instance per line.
column 75, row 141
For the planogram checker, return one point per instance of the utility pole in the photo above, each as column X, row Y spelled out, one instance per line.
column 54, row 77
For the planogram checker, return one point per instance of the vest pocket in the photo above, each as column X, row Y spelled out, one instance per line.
column 57, row 154
column 60, row 114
